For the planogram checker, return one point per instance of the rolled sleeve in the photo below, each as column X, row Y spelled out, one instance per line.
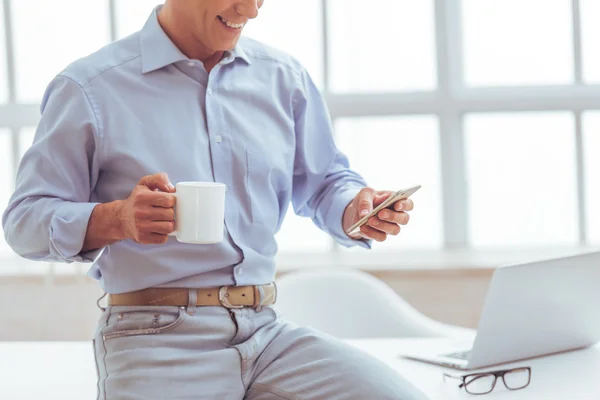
column 47, row 215
column 68, row 228
column 334, row 218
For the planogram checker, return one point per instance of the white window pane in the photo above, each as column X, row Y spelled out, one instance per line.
column 395, row 152
column 6, row 179
column 591, row 145
column 300, row 234
column 26, row 136
column 295, row 27
column 387, row 45
column 516, row 42
column 133, row 14
column 3, row 77
column 521, row 173
column 49, row 35
column 590, row 32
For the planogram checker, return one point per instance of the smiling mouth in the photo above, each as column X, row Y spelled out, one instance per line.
column 230, row 24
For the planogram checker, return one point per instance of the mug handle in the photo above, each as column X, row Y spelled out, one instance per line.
column 174, row 233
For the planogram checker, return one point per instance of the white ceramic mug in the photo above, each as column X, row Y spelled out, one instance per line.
column 199, row 212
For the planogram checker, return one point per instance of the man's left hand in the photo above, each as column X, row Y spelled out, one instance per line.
column 386, row 222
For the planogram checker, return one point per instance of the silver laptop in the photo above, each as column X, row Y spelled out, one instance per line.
column 532, row 309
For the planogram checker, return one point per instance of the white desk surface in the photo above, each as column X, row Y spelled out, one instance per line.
column 66, row 371
column 567, row 376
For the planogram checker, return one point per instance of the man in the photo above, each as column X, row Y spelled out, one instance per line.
column 184, row 100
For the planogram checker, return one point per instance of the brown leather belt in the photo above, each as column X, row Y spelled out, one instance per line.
column 226, row 296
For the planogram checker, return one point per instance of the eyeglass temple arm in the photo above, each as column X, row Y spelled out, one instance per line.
column 460, row 378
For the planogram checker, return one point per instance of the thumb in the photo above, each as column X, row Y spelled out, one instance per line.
column 365, row 201
column 380, row 197
column 158, row 181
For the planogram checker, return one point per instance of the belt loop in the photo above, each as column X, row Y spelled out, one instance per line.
column 261, row 297
column 192, row 301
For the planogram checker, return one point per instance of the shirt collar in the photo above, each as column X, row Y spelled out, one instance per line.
column 158, row 51
column 238, row 52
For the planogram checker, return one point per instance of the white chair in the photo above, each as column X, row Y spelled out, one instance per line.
column 351, row 304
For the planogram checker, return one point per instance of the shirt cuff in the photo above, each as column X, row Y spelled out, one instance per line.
column 335, row 216
column 67, row 232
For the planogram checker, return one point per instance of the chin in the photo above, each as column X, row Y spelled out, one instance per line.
column 227, row 45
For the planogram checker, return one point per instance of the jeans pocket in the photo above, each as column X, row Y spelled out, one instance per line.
column 142, row 320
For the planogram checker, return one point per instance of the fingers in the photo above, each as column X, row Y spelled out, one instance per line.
column 365, row 201
column 162, row 227
column 157, row 199
column 155, row 214
column 400, row 218
column 380, row 197
column 158, row 181
column 157, row 227
column 153, row 238
column 372, row 233
column 404, row 205
column 163, row 214
column 383, row 226
column 165, row 200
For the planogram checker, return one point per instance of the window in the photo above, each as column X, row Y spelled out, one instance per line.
column 6, row 179
column 388, row 45
column 590, row 32
column 49, row 35
column 591, row 144
column 132, row 15
column 300, row 234
column 295, row 27
column 521, row 179
column 25, row 140
column 3, row 59
column 515, row 42
column 7, row 176
column 396, row 152
column 376, row 64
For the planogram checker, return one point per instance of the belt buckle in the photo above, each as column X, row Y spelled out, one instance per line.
column 223, row 298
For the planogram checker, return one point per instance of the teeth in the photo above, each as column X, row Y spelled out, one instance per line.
column 231, row 24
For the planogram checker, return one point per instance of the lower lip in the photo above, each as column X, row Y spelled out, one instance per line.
column 229, row 29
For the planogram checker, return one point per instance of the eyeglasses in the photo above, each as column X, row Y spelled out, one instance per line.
column 485, row 382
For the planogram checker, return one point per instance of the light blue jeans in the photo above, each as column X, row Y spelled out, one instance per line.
column 176, row 353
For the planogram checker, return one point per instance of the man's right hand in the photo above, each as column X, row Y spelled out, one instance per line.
column 148, row 216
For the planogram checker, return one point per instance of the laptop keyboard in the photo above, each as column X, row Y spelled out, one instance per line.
column 461, row 355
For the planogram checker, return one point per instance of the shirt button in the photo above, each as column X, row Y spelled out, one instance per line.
column 191, row 63
column 219, row 138
column 240, row 271
column 209, row 92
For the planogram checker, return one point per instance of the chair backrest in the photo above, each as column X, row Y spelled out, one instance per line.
column 352, row 304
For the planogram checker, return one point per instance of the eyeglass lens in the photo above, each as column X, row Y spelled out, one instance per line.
column 514, row 379
column 517, row 378
column 480, row 384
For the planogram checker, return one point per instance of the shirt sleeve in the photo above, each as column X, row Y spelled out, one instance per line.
column 47, row 216
column 323, row 183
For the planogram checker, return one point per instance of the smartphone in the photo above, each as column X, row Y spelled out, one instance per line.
column 389, row 202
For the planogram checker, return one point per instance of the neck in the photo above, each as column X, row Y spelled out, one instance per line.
column 181, row 35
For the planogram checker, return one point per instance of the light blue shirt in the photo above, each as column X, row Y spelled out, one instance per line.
column 138, row 107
